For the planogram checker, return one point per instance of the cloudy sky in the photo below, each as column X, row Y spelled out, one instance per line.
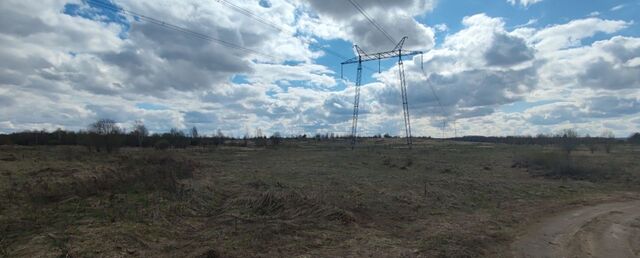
column 497, row 67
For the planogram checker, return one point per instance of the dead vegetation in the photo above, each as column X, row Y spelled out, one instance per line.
column 438, row 200
column 158, row 172
column 284, row 205
column 555, row 165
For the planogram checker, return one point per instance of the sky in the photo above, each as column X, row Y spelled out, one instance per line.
column 490, row 67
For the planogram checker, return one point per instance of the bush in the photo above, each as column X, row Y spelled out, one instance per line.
column 558, row 166
column 162, row 145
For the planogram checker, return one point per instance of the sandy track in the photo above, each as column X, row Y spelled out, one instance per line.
column 605, row 230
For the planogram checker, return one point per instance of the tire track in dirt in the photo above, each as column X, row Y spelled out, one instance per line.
column 604, row 230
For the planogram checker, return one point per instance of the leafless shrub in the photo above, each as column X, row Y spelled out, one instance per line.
column 153, row 172
column 557, row 166
column 608, row 141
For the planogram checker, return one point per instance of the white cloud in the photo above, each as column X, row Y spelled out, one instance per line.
column 529, row 23
column 337, row 18
column 441, row 27
column 524, row 3
column 617, row 7
column 571, row 34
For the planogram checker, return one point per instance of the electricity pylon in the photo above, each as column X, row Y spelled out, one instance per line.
column 364, row 57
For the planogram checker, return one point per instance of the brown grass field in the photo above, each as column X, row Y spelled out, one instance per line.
column 301, row 199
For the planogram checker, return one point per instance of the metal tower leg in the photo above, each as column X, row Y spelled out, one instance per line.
column 356, row 104
column 405, row 102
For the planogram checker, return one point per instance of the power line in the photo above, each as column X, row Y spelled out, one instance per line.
column 278, row 28
column 375, row 24
column 158, row 22
column 433, row 91
column 173, row 27
column 250, row 14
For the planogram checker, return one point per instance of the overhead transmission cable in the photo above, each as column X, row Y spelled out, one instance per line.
column 250, row 14
column 279, row 28
column 433, row 91
column 373, row 22
column 135, row 15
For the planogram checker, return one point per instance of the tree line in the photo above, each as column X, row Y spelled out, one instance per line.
column 105, row 135
column 567, row 139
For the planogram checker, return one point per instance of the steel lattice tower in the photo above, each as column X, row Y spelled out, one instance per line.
column 364, row 57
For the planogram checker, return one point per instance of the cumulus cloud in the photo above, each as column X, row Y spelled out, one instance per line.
column 396, row 17
column 606, row 64
column 508, row 50
column 591, row 108
column 570, row 34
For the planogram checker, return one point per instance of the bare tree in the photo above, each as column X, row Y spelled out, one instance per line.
column 105, row 127
column 194, row 132
column 591, row 143
column 219, row 139
column 176, row 132
column 140, row 131
column 177, row 138
column 105, row 134
column 608, row 140
column 194, row 136
column 260, row 140
column 568, row 140
column 245, row 140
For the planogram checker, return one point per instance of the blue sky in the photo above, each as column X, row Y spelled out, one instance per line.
column 497, row 67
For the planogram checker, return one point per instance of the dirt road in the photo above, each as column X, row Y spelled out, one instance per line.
column 605, row 230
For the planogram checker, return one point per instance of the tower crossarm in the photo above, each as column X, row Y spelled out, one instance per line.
column 380, row 56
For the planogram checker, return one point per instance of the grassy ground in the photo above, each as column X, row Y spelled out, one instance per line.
column 302, row 199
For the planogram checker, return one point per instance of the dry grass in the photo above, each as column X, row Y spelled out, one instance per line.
column 302, row 199
column 604, row 168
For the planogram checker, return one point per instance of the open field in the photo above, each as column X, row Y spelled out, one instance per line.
column 301, row 199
